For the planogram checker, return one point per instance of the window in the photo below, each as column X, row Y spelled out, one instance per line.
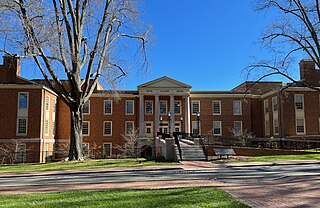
column 46, row 127
column 266, row 127
column 163, row 107
column 195, row 106
column 300, row 126
column 53, row 127
column 149, row 129
column 149, row 107
column 298, row 101
column 85, row 128
column 164, row 127
column 237, row 127
column 266, row 106
column 129, row 126
column 23, row 100
column 177, row 126
column 275, row 104
column 22, row 126
column 217, row 128
column 54, row 105
column 86, row 107
column 20, row 153
column 196, row 127
column 237, row 109
column 129, row 107
column 216, row 107
column 177, row 107
column 107, row 147
column 85, row 149
column 107, row 128
column 47, row 104
column 108, row 107
column 275, row 126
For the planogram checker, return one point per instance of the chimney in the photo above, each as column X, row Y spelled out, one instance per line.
column 308, row 72
column 10, row 69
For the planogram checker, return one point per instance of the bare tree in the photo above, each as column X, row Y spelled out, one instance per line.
column 294, row 31
column 85, row 38
column 243, row 138
column 10, row 153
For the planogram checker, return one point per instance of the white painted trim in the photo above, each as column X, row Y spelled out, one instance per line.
column 216, row 114
column 241, row 128
column 240, row 96
column 304, row 126
column 88, row 128
column 28, row 140
column 125, row 128
column 238, row 114
column 17, row 127
column 89, row 103
column 126, row 109
column 145, row 107
column 104, row 110
column 220, row 123
column 110, row 148
column 104, row 128
column 193, row 101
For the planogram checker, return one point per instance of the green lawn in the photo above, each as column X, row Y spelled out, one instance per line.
column 75, row 165
column 153, row 198
column 283, row 157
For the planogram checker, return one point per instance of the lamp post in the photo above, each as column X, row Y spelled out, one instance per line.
column 169, row 121
column 160, row 118
column 181, row 123
column 198, row 122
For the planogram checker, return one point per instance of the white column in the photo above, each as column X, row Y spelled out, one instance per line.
column 156, row 113
column 187, row 114
column 172, row 113
column 141, row 116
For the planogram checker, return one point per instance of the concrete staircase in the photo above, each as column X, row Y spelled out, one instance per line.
column 191, row 153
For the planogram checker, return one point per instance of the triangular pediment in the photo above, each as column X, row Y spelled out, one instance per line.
column 164, row 82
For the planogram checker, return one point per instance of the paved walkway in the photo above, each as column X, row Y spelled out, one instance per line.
column 298, row 190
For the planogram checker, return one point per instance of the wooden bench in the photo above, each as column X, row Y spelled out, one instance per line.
column 224, row 152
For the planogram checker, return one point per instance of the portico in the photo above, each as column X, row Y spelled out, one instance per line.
column 164, row 101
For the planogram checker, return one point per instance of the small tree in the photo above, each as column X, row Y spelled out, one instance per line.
column 9, row 152
column 77, row 40
column 243, row 138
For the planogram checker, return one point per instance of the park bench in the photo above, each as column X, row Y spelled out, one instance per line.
column 220, row 152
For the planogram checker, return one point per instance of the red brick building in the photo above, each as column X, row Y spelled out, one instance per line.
column 36, row 123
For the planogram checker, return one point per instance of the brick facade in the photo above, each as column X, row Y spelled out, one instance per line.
column 43, row 117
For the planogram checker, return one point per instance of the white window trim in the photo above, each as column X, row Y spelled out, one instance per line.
column 266, row 133
column 145, row 109
column 220, row 123
column 241, row 128
column 89, row 108
column 194, row 101
column 179, row 101
column 274, row 127
column 46, row 133
column 216, row 114
column 88, row 128
column 110, row 148
column 17, row 127
column 126, row 125
column 104, row 110
column 166, row 107
column 304, row 127
column 127, row 101
column 45, row 103
column 240, row 108
column 196, row 122
column 265, row 104
column 104, row 128
column 152, row 128
column 275, row 99
column 295, row 95
column 27, row 100
column 25, row 152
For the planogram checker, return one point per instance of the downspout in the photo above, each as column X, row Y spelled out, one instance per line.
column 42, row 120
column 280, row 119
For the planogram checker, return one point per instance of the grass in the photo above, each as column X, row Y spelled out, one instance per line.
column 75, row 165
column 153, row 198
column 283, row 157
column 270, row 158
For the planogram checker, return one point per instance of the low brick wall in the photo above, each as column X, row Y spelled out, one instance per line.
column 246, row 151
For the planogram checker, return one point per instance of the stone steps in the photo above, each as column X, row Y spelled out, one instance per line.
column 191, row 153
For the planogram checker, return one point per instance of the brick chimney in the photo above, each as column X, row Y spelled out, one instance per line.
column 308, row 72
column 10, row 69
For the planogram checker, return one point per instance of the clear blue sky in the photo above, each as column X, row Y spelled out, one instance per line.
column 204, row 43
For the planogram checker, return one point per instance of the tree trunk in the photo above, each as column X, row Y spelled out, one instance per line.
column 75, row 151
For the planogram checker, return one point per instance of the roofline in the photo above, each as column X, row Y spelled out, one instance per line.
column 164, row 77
